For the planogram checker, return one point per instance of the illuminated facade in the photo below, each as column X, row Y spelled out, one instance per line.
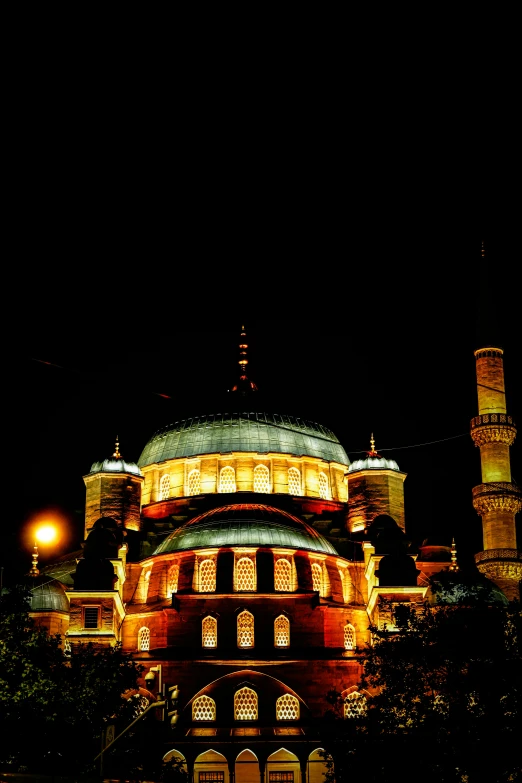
column 219, row 559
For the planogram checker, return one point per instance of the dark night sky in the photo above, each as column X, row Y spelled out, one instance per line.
column 361, row 334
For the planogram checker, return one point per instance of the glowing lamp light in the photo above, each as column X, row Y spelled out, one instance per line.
column 45, row 534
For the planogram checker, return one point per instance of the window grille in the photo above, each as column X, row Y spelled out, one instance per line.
column 349, row 637
column 209, row 631
column 245, row 629
column 194, row 482
column 285, row 776
column 245, row 704
column 211, row 777
column 323, row 486
column 317, row 574
column 245, row 574
column 172, row 579
column 144, row 639
column 355, row 705
column 91, row 616
column 227, row 479
column 287, row 707
column 282, row 631
column 203, row 708
column 261, row 479
column 283, row 575
column 207, row 576
column 165, row 487
column 294, row 481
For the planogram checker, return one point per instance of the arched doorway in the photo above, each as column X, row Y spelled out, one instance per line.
column 283, row 767
column 317, row 766
column 247, row 768
column 211, row 767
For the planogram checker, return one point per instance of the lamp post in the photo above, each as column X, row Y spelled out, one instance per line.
column 150, row 678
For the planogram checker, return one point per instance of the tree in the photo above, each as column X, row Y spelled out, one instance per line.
column 54, row 706
column 445, row 685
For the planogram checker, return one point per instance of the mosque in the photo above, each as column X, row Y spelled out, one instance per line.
column 241, row 560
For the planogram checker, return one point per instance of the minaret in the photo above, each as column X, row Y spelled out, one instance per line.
column 497, row 499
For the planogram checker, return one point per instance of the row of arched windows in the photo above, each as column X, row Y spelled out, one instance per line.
column 245, row 633
column 227, row 482
column 286, row 706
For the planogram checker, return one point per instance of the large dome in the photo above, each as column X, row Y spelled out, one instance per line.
column 245, row 524
column 253, row 431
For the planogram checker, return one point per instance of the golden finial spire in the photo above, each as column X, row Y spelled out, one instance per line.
column 372, row 452
column 34, row 565
column 117, row 454
column 454, row 565
column 244, row 384
column 483, row 251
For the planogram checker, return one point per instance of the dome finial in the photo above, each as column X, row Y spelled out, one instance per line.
column 244, row 384
column 454, row 565
column 372, row 452
column 117, row 454
column 34, row 565
column 483, row 250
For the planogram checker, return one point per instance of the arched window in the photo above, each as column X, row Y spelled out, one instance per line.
column 317, row 577
column 346, row 583
column 227, row 479
column 245, row 629
column 207, row 576
column 323, row 485
column 282, row 631
column 349, row 637
column 245, row 704
column 355, row 705
column 194, row 482
column 245, row 576
column 203, row 708
column 261, row 479
column 287, row 707
column 294, row 481
column 283, row 575
column 164, row 487
column 144, row 639
column 209, row 631
column 172, row 579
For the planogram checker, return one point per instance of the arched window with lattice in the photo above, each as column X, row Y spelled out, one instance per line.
column 172, row 579
column 245, row 629
column 283, row 575
column 194, row 482
column 323, row 486
column 294, row 481
column 207, row 576
column 245, row 704
column 355, row 705
column 287, row 707
column 261, row 479
column 282, row 631
column 317, row 576
column 227, row 479
column 245, row 574
column 209, row 631
column 203, row 708
column 349, row 637
column 144, row 638
column 165, row 487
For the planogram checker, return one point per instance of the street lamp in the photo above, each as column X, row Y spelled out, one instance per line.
column 150, row 678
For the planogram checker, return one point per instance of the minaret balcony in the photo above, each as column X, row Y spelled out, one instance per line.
column 498, row 554
column 497, row 495
column 493, row 428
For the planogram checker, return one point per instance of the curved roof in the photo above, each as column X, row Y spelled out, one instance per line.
column 245, row 524
column 48, row 595
column 373, row 463
column 115, row 465
column 254, row 431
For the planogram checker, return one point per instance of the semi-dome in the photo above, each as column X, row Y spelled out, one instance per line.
column 373, row 461
column 245, row 524
column 115, row 464
column 250, row 431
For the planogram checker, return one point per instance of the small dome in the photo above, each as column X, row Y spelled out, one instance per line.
column 373, row 461
column 245, row 524
column 47, row 595
column 465, row 586
column 115, row 464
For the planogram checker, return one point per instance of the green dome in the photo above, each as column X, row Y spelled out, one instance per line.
column 48, row 595
column 254, row 432
column 245, row 524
